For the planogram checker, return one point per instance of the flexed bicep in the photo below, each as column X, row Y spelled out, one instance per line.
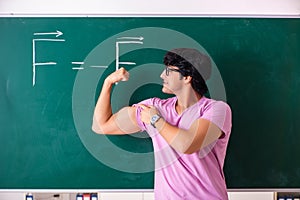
column 120, row 123
column 126, row 121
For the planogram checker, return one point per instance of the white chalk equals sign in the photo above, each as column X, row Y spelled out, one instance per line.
column 57, row 33
column 131, row 38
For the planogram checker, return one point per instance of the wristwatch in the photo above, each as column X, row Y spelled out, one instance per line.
column 154, row 119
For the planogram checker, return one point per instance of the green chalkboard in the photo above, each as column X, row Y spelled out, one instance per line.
column 49, row 82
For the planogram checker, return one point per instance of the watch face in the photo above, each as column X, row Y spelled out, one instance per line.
column 154, row 118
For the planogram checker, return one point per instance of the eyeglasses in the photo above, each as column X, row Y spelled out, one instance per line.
column 171, row 69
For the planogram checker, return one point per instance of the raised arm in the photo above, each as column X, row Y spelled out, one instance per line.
column 104, row 121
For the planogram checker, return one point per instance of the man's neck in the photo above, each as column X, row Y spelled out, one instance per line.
column 186, row 100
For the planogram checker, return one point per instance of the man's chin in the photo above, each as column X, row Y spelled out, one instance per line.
column 166, row 90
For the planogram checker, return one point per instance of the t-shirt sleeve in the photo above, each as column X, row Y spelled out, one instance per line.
column 138, row 113
column 220, row 114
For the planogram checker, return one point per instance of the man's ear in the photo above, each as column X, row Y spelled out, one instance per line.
column 188, row 79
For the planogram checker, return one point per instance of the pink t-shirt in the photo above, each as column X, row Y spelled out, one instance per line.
column 189, row 176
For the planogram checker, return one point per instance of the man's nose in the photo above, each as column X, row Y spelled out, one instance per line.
column 163, row 74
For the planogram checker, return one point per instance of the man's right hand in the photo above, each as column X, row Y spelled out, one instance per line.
column 120, row 75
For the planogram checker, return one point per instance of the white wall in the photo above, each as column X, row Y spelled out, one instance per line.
column 153, row 7
column 284, row 8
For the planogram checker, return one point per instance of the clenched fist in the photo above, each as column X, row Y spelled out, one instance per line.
column 119, row 75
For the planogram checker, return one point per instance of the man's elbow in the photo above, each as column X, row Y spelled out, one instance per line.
column 96, row 128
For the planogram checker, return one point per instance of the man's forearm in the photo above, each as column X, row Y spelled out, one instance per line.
column 103, row 110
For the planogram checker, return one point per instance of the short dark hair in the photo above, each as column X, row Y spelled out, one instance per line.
column 192, row 63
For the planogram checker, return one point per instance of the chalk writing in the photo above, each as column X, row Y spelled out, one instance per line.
column 34, row 41
column 77, row 65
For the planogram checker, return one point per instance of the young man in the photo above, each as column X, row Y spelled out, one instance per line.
column 189, row 132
